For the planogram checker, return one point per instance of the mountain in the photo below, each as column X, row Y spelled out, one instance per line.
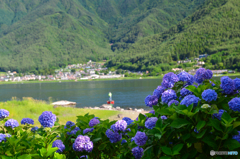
column 213, row 29
column 49, row 33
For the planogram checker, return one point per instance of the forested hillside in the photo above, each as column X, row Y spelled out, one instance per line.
column 49, row 33
column 213, row 29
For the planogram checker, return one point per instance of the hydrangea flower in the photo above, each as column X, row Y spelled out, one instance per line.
column 83, row 143
column 87, row 130
column 113, row 136
column 123, row 141
column 137, row 152
column 151, row 122
column 202, row 74
column 151, row 100
column 11, row 123
column 120, row 125
column 74, row 131
column 169, row 80
column 234, row 104
column 59, row 144
column 132, row 139
column 186, row 77
column 47, row 119
column 27, row 121
column 84, row 156
column 163, row 117
column 219, row 115
column 227, row 84
column 129, row 122
column 152, row 111
column 3, row 137
column 205, row 106
column 158, row 92
column 140, row 138
column 93, row 122
column 190, row 99
column 195, row 130
column 209, row 95
column 184, row 92
column 126, row 119
column 212, row 83
column 236, row 137
column 237, row 83
column 170, row 143
column 69, row 124
column 173, row 102
column 3, row 113
column 34, row 129
column 168, row 95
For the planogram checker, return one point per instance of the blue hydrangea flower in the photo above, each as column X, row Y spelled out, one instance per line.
column 184, row 92
column 186, row 77
column 190, row 99
column 140, row 138
column 120, row 125
column 84, row 156
column 219, row 115
column 74, row 131
column 236, row 137
column 137, row 152
column 168, row 95
column 158, row 92
column 209, row 95
column 59, row 144
column 234, row 104
column 169, row 80
column 132, row 139
column 209, row 74
column 173, row 102
column 202, row 74
column 3, row 137
column 47, row 119
column 11, row 123
column 195, row 130
column 170, row 143
column 152, row 111
column 227, row 84
column 83, row 143
column 163, row 117
column 93, row 122
column 151, row 122
column 129, row 122
column 237, row 83
column 126, row 119
column 88, row 130
column 123, row 141
column 151, row 100
column 27, row 121
column 113, row 136
column 34, row 129
column 3, row 113
column 69, row 124
column 212, row 83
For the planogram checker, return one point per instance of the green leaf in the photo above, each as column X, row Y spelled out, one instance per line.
column 96, row 140
column 190, row 107
column 198, row 147
column 178, row 123
column 59, row 156
column 8, row 153
column 210, row 141
column 43, row 152
column 141, row 117
column 165, row 157
column 216, row 124
column 177, row 148
column 159, row 123
column 164, row 112
column 51, row 151
column 200, row 125
column 236, row 124
column 102, row 146
column 26, row 156
column 185, row 137
column 232, row 144
column 167, row 150
column 6, row 157
column 200, row 135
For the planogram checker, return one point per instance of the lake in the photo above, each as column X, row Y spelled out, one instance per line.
column 125, row 93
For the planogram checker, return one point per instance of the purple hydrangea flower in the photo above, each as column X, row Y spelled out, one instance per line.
column 132, row 139
column 27, row 121
column 184, row 92
column 129, row 122
column 168, row 95
column 173, row 102
column 186, row 77
column 93, row 122
column 74, row 131
column 151, row 100
column 123, row 141
column 195, row 130
column 126, row 119
column 237, row 83
column 140, row 138
column 88, row 130
column 137, row 152
column 113, row 136
column 169, row 80
column 163, row 117
column 34, row 129
column 158, row 92
column 209, row 74
column 120, row 125
column 47, row 119
column 151, row 122
column 3, row 113
column 236, row 137
column 202, row 74
column 190, row 99
column 152, row 111
column 11, row 123
column 59, row 144
column 234, row 104
column 212, row 83
column 227, row 84
column 69, row 124
column 84, row 156
column 3, row 137
column 209, row 95
column 83, row 143
column 219, row 115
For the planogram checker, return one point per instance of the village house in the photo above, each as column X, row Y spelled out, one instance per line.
column 218, row 71
column 177, row 69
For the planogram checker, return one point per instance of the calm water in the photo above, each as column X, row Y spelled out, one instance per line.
column 125, row 93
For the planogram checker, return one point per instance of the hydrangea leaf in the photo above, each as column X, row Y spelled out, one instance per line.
column 216, row 124
column 236, row 124
column 210, row 141
column 185, row 137
column 164, row 112
column 167, row 150
column 25, row 156
column 177, row 148
column 198, row 147
column 200, row 125
column 165, row 157
column 178, row 123
column 200, row 135
column 59, row 156
column 232, row 144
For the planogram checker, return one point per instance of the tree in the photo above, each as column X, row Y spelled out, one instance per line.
column 73, row 70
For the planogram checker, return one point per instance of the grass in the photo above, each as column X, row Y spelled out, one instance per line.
column 30, row 108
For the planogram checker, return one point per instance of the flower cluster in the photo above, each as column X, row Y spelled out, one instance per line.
column 151, row 122
column 173, row 102
column 59, row 144
column 74, row 131
column 34, row 129
column 120, row 125
column 83, row 143
column 113, row 136
column 202, row 74
column 237, row 137
column 227, row 84
column 152, row 111
column 11, row 123
column 3, row 113
column 123, row 141
column 151, row 100
column 209, row 95
column 158, row 92
column 237, row 83
column 168, row 95
column 137, row 152
column 163, row 117
column 69, row 124
column 234, row 104
column 184, row 92
column 47, row 119
column 27, row 121
column 3, row 137
column 219, row 115
column 93, row 122
column 140, row 138
column 186, row 77
column 88, row 130
column 169, row 80
column 190, row 99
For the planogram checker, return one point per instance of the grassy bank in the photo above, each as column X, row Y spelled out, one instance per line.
column 30, row 108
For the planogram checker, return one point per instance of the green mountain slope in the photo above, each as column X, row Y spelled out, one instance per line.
column 213, row 29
